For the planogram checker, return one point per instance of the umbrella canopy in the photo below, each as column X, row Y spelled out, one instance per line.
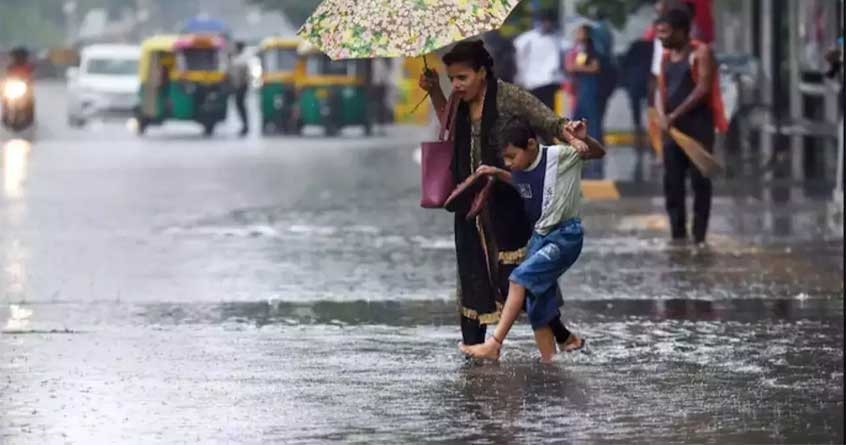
column 353, row 29
column 196, row 25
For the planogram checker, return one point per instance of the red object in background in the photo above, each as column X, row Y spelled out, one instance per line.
column 703, row 19
column 22, row 71
column 650, row 33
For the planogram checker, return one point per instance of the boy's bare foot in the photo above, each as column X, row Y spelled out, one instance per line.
column 487, row 350
column 546, row 359
column 573, row 343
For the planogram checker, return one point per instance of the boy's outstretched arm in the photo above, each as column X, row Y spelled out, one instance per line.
column 502, row 175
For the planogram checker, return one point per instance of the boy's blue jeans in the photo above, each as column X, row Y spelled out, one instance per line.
column 548, row 257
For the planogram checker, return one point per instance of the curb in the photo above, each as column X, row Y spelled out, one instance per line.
column 610, row 190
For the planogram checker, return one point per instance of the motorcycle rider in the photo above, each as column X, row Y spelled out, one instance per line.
column 17, row 99
column 20, row 66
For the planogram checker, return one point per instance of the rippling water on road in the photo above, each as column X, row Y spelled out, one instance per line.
column 176, row 289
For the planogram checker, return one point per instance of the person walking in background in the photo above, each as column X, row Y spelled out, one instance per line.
column 603, row 42
column 504, row 54
column 635, row 80
column 686, row 101
column 239, row 78
column 603, row 38
column 583, row 67
column 539, row 59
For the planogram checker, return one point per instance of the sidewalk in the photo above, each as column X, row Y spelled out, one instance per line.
column 624, row 176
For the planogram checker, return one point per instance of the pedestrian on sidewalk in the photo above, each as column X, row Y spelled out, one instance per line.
column 538, row 54
column 549, row 181
column 489, row 246
column 504, row 54
column 635, row 80
column 603, row 41
column 685, row 101
column 239, row 78
column 584, row 66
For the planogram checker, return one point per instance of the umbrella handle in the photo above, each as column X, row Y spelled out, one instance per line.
column 426, row 70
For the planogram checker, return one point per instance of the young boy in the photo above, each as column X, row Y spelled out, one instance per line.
column 549, row 180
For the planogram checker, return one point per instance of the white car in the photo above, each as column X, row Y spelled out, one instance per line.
column 105, row 84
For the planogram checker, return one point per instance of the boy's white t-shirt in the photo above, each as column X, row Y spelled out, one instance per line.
column 552, row 186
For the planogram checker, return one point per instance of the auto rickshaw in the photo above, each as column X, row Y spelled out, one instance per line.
column 183, row 78
column 333, row 94
column 410, row 106
column 280, row 68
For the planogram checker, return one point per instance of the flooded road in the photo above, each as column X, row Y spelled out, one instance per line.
column 177, row 289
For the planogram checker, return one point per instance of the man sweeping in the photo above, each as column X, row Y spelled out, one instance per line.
column 689, row 101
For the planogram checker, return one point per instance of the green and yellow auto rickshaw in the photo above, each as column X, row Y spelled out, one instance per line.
column 333, row 94
column 280, row 67
column 183, row 78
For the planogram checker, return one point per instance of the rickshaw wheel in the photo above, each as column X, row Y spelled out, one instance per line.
column 332, row 130
column 142, row 126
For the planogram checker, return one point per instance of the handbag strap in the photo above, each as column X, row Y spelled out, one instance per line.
column 448, row 119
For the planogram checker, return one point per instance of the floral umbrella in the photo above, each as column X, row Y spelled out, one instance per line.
column 355, row 29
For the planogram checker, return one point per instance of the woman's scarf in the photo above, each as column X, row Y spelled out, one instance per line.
column 461, row 166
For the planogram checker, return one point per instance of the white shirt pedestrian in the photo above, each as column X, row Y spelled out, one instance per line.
column 538, row 56
column 239, row 71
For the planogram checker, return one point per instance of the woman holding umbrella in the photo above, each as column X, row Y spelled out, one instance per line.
column 491, row 245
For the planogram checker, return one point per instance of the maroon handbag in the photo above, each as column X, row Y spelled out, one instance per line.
column 471, row 196
column 437, row 181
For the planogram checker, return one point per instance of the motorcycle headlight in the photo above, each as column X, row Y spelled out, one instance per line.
column 14, row 89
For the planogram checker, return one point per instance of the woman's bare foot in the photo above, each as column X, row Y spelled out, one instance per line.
column 573, row 343
column 487, row 350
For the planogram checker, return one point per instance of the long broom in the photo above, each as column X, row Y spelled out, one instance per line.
column 653, row 130
column 695, row 151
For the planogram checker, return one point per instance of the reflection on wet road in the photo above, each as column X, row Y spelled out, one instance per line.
column 180, row 289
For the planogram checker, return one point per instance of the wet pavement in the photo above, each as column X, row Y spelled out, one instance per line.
column 177, row 289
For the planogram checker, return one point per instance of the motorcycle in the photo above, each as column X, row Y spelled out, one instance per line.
column 18, row 104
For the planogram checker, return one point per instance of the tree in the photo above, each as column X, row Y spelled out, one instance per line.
column 41, row 23
column 615, row 11
column 28, row 23
column 296, row 10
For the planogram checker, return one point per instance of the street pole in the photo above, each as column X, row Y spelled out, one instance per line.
column 766, row 92
column 797, row 142
column 69, row 9
column 838, row 189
